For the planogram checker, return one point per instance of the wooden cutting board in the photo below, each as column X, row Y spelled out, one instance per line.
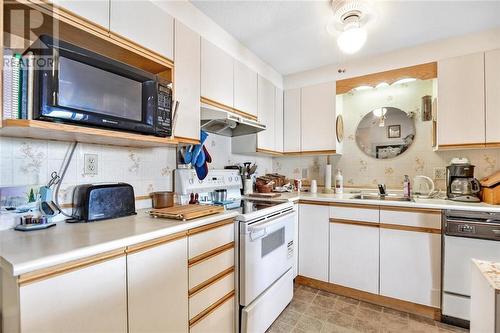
column 491, row 180
column 186, row 212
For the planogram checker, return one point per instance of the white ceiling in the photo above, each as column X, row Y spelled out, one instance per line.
column 291, row 36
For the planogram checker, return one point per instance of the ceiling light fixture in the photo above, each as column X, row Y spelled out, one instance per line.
column 405, row 80
column 382, row 85
column 360, row 88
column 350, row 16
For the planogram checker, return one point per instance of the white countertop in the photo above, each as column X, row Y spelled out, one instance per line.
column 23, row 252
column 490, row 271
column 417, row 203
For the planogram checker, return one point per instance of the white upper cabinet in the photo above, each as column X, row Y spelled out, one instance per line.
column 278, row 116
column 158, row 288
column 187, row 81
column 461, row 111
column 318, row 117
column 216, row 74
column 245, row 89
column 291, row 121
column 143, row 23
column 266, row 138
column 492, row 79
column 96, row 11
column 313, row 241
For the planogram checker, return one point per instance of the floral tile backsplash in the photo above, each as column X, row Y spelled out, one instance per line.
column 360, row 170
column 26, row 162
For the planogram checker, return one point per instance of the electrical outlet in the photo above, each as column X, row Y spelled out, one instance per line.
column 305, row 173
column 439, row 173
column 90, row 164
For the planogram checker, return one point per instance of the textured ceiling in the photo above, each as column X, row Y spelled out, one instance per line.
column 291, row 36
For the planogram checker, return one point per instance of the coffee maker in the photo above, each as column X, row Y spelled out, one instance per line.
column 460, row 182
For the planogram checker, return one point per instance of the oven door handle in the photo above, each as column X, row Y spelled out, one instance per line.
column 259, row 229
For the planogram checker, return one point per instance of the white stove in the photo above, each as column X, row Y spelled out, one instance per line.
column 265, row 232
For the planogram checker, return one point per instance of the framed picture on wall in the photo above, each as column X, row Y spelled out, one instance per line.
column 394, row 131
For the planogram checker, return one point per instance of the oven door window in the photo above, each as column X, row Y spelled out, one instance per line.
column 87, row 88
column 272, row 242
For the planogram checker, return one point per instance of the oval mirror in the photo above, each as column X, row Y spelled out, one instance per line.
column 385, row 132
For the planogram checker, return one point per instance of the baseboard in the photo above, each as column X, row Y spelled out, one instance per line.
column 389, row 302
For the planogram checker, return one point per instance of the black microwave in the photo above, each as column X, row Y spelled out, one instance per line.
column 78, row 86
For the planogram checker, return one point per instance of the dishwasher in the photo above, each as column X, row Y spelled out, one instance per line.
column 467, row 235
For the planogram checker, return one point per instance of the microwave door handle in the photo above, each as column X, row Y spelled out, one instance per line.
column 55, row 78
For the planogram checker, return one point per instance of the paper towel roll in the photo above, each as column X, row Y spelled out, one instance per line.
column 328, row 177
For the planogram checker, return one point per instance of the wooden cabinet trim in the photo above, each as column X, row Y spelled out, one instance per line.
column 211, row 309
column 68, row 267
column 73, row 25
column 210, row 254
column 411, row 209
column 227, row 108
column 492, row 144
column 204, row 285
column 352, row 222
column 462, row 146
column 410, row 228
column 269, row 152
column 209, row 227
column 190, row 141
column 310, row 152
column 393, row 303
column 422, row 72
column 155, row 242
column 354, row 205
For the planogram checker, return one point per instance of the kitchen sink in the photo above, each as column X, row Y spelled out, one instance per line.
column 387, row 197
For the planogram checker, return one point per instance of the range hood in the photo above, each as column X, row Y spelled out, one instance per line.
column 222, row 122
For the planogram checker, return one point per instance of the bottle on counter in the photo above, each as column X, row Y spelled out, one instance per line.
column 407, row 187
column 339, row 182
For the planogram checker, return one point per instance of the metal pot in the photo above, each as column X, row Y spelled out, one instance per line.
column 219, row 195
column 163, row 199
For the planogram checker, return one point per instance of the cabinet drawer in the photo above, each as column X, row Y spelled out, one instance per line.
column 355, row 213
column 220, row 320
column 206, row 269
column 425, row 219
column 206, row 241
column 204, row 298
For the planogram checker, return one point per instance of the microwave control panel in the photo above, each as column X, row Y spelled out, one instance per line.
column 164, row 111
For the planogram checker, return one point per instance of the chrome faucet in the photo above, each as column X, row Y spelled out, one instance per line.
column 382, row 190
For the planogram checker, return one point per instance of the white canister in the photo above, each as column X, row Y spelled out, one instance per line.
column 314, row 186
column 247, row 186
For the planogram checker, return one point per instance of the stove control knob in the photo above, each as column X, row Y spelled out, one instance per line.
column 200, row 181
column 191, row 181
column 230, row 178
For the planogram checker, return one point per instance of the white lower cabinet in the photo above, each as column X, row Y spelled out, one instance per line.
column 410, row 266
column 313, row 241
column 90, row 299
column 212, row 278
column 354, row 254
column 158, row 288
column 221, row 320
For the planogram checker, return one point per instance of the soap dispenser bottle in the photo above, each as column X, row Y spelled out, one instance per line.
column 407, row 187
column 339, row 182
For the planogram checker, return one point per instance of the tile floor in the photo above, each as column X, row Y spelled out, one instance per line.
column 313, row 310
